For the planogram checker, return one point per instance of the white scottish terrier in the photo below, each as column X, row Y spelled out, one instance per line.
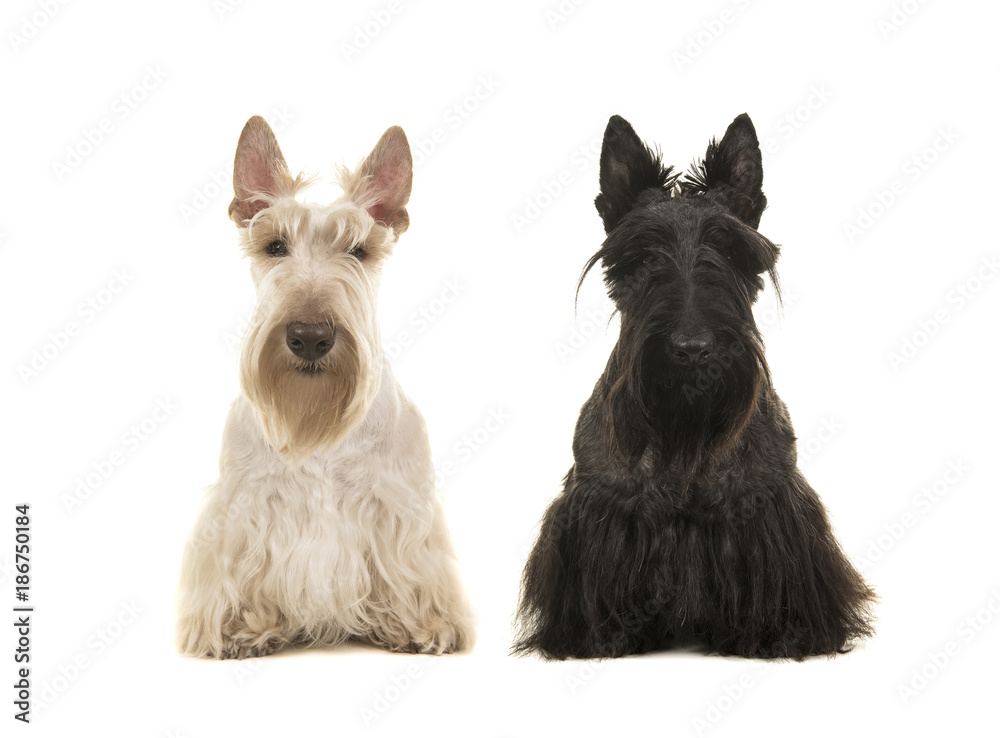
column 325, row 523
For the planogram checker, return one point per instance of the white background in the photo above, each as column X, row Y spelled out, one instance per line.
column 844, row 95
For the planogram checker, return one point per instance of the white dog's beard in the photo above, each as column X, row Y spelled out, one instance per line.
column 304, row 407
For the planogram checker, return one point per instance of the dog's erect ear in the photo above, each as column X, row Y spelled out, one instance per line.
column 259, row 169
column 389, row 170
column 733, row 173
column 627, row 168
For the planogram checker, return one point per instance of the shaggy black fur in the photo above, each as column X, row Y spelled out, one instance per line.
column 684, row 517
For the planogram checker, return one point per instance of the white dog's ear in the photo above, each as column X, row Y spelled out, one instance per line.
column 389, row 173
column 260, row 174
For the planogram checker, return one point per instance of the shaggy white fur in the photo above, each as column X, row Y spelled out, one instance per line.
column 325, row 523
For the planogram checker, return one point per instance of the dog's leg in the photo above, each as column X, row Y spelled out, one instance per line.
column 588, row 590
column 417, row 603
column 785, row 587
column 222, row 611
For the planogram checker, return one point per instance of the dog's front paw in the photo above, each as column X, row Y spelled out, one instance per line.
column 794, row 643
column 445, row 638
column 435, row 648
column 243, row 642
column 248, row 649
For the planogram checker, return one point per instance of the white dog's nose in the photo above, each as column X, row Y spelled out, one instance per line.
column 309, row 341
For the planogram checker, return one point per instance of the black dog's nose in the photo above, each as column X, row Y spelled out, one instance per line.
column 691, row 349
column 309, row 341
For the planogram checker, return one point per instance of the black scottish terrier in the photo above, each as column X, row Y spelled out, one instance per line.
column 684, row 518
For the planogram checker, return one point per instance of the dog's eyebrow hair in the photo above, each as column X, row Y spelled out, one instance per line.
column 345, row 223
column 724, row 222
column 332, row 227
column 654, row 228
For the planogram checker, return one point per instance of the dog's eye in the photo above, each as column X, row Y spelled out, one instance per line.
column 357, row 252
column 277, row 248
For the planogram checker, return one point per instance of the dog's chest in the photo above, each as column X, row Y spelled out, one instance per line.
column 721, row 490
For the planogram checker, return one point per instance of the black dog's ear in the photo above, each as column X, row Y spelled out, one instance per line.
column 627, row 168
column 732, row 173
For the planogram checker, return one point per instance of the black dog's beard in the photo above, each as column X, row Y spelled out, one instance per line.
column 687, row 413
